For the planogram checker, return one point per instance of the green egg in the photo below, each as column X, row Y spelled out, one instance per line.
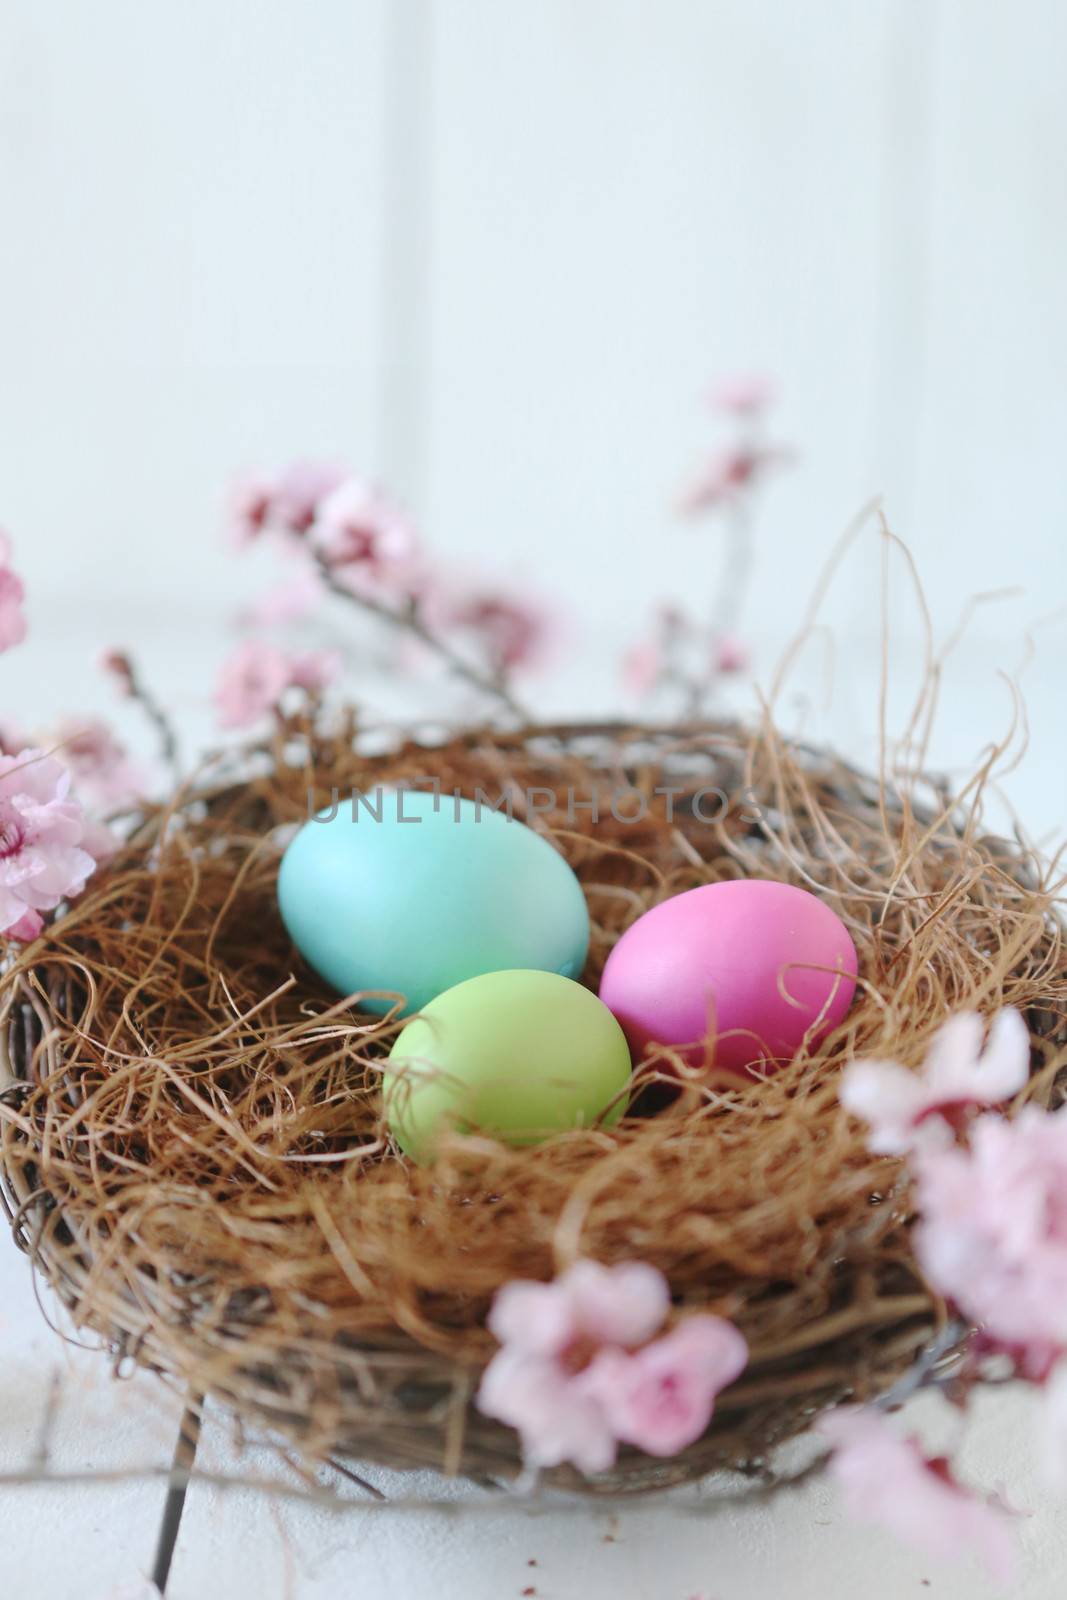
column 517, row 1055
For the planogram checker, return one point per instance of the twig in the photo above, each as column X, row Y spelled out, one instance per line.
column 121, row 665
column 180, row 1476
column 48, row 1420
column 409, row 620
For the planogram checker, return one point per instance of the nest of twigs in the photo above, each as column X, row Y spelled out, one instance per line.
column 193, row 1151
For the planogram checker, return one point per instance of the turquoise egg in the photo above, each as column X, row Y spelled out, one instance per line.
column 410, row 893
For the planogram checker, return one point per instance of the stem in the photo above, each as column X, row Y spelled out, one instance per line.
column 409, row 620
column 168, row 739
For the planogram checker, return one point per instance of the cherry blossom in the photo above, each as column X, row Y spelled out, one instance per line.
column 298, row 596
column 569, row 1375
column 589, row 1303
column 314, row 670
column 643, row 666
column 48, row 847
column 886, row 1479
column 359, row 528
column 300, row 492
column 286, row 501
column 543, row 1402
column 992, row 1230
column 101, row 766
column 728, row 473
column 13, row 738
column 12, row 595
column 118, row 666
column 251, row 500
column 512, row 633
column 956, row 1074
column 256, row 675
column 730, row 654
column 661, row 1398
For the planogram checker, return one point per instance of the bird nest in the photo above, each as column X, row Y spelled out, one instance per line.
column 193, row 1148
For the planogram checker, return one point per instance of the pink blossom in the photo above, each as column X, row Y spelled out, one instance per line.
column 12, row 595
column 12, row 738
column 315, row 670
column 543, row 1402
column 256, row 675
column 252, row 682
column 296, row 598
column 589, row 1302
column 512, row 633
column 251, row 501
column 358, row 526
column 662, row 1398
column 743, row 394
column 730, row 654
column 886, row 1479
column 101, row 766
column 992, row 1234
column 728, row 474
column 642, row 666
column 569, row 1377
column 300, row 492
column 117, row 665
column 44, row 842
column 956, row 1074
column 286, row 501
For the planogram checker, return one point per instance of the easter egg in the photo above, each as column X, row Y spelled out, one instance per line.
column 756, row 966
column 410, row 892
column 516, row 1055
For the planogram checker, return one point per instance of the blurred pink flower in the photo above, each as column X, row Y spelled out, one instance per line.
column 12, row 595
column 292, row 600
column 101, row 766
column 300, row 491
column 545, row 1404
column 743, row 393
column 251, row 500
column 589, row 1303
column 286, row 501
column 12, row 738
column 44, row 842
column 252, row 681
column 256, row 675
column 117, row 664
column 642, row 666
column 886, row 1479
column 315, row 670
column 662, row 1398
column 568, row 1377
column 359, row 526
column 728, row 474
column 730, row 654
column 956, row 1074
column 510, row 633
column 992, row 1229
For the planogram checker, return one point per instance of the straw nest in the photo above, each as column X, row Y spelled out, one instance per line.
column 194, row 1158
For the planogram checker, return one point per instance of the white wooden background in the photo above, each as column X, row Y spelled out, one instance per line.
column 494, row 250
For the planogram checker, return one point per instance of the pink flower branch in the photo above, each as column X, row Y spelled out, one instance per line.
column 407, row 618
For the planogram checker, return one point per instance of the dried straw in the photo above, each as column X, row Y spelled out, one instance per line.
column 192, row 1148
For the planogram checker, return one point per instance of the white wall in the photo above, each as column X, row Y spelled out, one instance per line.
column 495, row 251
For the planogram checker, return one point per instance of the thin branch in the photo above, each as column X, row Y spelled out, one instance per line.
column 179, row 1479
column 408, row 620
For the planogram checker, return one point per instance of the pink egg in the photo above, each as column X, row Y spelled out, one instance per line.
column 756, row 965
